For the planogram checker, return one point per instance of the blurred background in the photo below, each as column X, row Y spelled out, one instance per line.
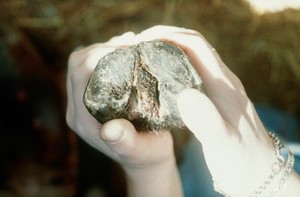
column 40, row 156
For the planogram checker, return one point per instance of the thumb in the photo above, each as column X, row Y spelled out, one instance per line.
column 135, row 148
column 119, row 135
column 202, row 117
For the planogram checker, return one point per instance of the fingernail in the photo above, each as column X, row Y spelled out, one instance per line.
column 113, row 136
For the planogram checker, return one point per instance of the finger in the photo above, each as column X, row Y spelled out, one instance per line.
column 125, row 39
column 201, row 117
column 222, row 148
column 204, row 57
column 80, row 73
column 224, row 89
column 160, row 31
column 214, row 73
column 204, row 60
column 81, row 63
column 136, row 147
column 119, row 135
column 118, row 41
column 70, row 112
column 79, row 56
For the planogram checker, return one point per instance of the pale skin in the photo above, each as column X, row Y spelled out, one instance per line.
column 236, row 145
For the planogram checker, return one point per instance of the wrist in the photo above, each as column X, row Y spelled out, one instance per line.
column 160, row 179
column 282, row 181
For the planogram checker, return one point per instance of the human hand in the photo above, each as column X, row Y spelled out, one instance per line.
column 237, row 148
column 147, row 158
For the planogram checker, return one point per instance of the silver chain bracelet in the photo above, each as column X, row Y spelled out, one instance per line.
column 283, row 150
column 283, row 157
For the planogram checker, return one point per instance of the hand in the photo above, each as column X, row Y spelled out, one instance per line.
column 147, row 158
column 237, row 148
